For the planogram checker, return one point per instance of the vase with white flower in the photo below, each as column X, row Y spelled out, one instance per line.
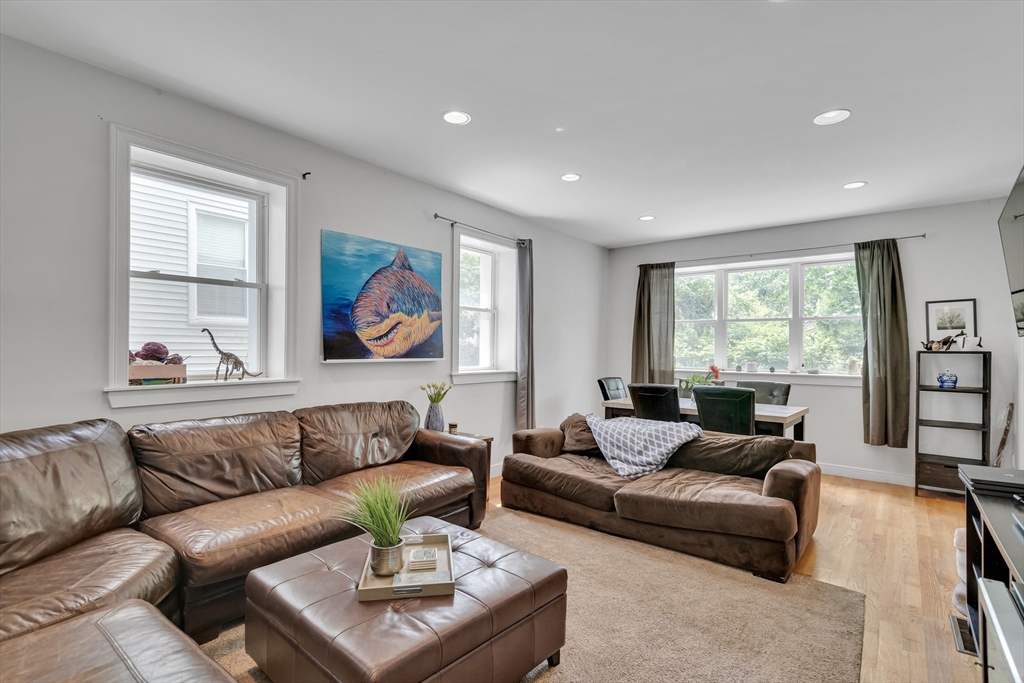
column 436, row 391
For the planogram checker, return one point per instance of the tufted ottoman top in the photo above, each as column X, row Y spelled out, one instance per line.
column 312, row 599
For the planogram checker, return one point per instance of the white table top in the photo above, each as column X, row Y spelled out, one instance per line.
column 763, row 412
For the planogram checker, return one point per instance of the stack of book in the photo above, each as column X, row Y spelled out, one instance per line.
column 423, row 559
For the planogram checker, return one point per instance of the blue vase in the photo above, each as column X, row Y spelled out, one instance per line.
column 947, row 380
column 435, row 418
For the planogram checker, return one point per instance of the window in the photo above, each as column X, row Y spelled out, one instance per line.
column 194, row 256
column 487, row 305
column 793, row 314
column 200, row 243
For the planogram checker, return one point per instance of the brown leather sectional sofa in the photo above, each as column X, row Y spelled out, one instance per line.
column 177, row 514
column 759, row 523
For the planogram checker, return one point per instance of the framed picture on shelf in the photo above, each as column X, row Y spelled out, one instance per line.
column 946, row 318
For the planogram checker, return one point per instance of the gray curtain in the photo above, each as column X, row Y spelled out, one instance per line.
column 654, row 324
column 886, row 375
column 525, row 418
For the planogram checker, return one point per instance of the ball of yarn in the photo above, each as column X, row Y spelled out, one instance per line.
column 152, row 351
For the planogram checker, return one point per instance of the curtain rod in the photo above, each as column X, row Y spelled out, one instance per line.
column 923, row 235
column 519, row 242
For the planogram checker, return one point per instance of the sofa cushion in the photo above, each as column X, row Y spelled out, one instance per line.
column 579, row 438
column 344, row 438
column 194, row 462
column 744, row 456
column 96, row 573
column 230, row 538
column 127, row 643
column 62, row 484
column 580, row 478
column 428, row 486
column 706, row 501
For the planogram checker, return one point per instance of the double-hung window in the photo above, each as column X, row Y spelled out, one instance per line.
column 801, row 314
column 201, row 263
column 196, row 258
column 486, row 279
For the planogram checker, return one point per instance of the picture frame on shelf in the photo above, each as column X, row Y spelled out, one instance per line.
column 950, row 317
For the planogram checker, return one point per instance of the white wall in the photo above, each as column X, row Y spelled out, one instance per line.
column 960, row 259
column 54, row 257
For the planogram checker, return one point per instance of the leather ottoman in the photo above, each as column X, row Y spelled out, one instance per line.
column 130, row 642
column 303, row 621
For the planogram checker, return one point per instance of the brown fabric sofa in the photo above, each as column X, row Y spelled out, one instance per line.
column 762, row 525
column 68, row 497
column 177, row 514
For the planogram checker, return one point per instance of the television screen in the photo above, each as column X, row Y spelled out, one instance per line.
column 1011, row 231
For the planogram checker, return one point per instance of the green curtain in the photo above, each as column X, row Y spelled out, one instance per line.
column 885, row 387
column 654, row 325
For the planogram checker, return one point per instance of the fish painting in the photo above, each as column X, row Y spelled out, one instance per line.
column 380, row 301
column 396, row 310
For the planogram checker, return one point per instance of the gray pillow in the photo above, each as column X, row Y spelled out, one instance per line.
column 578, row 437
column 744, row 456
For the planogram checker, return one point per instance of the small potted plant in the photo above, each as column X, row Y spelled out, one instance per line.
column 710, row 377
column 379, row 508
column 436, row 391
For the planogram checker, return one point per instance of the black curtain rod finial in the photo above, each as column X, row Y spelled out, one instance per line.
column 306, row 174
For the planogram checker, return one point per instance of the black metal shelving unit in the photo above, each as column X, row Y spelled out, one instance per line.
column 939, row 472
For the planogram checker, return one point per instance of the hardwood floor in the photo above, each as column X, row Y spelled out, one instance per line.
column 897, row 549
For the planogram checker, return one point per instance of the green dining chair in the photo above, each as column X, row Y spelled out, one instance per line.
column 725, row 409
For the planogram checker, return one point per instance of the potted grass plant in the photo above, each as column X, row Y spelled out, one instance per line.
column 379, row 508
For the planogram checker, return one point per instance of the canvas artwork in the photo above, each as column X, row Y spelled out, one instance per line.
column 380, row 301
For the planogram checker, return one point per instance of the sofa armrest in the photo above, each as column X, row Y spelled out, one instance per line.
column 804, row 450
column 442, row 448
column 799, row 482
column 544, row 442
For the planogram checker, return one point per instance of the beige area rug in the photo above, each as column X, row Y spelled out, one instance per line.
column 641, row 613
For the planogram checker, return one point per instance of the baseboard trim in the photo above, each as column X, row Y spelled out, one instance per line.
column 867, row 475
column 495, row 470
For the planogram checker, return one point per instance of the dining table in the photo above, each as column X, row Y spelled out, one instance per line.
column 768, row 418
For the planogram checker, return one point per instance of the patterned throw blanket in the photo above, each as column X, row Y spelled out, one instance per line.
column 635, row 447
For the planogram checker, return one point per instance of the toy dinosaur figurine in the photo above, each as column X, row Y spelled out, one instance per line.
column 230, row 361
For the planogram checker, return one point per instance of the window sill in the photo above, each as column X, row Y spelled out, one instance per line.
column 484, row 377
column 823, row 379
column 166, row 394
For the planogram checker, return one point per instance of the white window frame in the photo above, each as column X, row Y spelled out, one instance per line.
column 503, row 302
column 493, row 309
column 796, row 319
column 280, row 204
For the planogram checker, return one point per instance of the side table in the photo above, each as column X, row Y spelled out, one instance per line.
column 487, row 440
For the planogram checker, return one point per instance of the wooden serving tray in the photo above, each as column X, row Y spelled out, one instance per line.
column 411, row 584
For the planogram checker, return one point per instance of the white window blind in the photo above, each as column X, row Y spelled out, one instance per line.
column 221, row 255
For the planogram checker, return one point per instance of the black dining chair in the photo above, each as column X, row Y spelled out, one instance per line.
column 725, row 409
column 771, row 393
column 612, row 388
column 655, row 401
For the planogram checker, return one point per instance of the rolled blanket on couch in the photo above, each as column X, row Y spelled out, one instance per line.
column 635, row 447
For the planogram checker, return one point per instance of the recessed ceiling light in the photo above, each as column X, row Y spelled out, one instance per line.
column 459, row 118
column 559, row 130
column 571, row 177
column 830, row 117
column 647, row 218
column 854, row 185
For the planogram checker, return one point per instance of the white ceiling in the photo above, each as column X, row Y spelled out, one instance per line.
column 696, row 112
